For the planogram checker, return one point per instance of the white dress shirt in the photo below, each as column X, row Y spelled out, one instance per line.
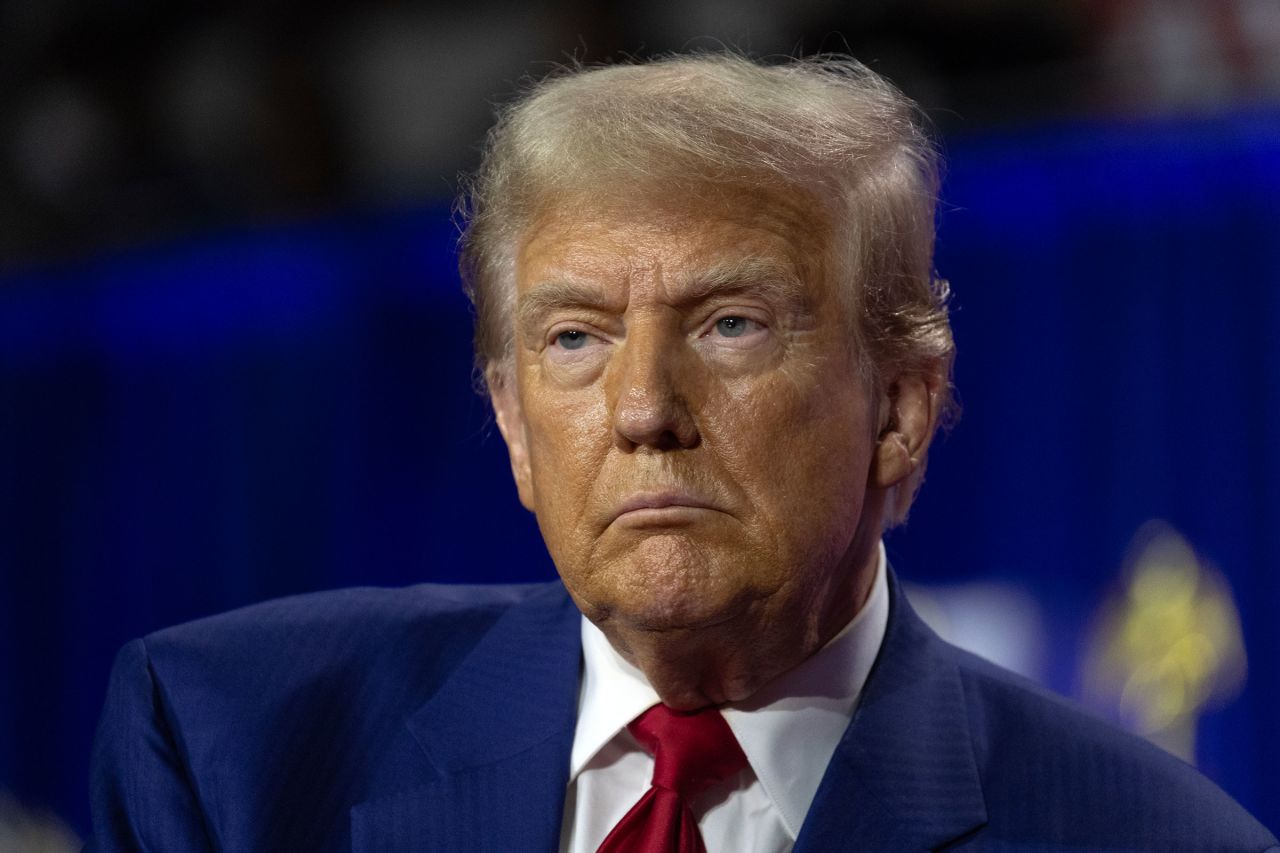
column 788, row 729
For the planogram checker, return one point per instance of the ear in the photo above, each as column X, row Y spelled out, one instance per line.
column 506, row 407
column 908, row 416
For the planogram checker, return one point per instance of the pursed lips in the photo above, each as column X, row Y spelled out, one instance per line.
column 659, row 506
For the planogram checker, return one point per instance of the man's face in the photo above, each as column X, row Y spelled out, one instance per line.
column 687, row 419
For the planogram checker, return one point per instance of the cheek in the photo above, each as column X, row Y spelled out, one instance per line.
column 833, row 448
column 568, row 444
column 799, row 445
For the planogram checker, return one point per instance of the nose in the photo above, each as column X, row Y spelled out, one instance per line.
column 650, row 409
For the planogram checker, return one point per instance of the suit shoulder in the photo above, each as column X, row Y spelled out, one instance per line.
column 261, row 713
column 340, row 635
column 354, row 609
column 1093, row 781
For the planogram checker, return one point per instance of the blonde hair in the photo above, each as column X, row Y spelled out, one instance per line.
column 827, row 127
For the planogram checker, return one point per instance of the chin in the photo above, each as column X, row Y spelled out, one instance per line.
column 685, row 605
column 666, row 582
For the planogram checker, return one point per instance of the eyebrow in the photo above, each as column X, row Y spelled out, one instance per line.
column 554, row 295
column 766, row 278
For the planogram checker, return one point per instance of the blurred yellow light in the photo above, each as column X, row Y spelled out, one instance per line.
column 1167, row 644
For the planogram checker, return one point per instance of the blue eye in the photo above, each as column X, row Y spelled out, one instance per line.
column 572, row 339
column 732, row 327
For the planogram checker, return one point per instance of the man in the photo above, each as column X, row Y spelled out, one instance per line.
column 710, row 331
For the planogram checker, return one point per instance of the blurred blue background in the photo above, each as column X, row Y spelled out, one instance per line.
column 224, row 379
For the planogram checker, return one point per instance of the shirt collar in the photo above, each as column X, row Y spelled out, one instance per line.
column 613, row 694
column 788, row 729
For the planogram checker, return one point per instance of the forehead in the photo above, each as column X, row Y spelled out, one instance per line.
column 667, row 238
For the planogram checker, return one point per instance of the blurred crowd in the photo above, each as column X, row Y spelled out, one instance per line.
column 130, row 120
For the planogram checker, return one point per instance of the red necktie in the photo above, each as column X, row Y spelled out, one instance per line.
column 691, row 752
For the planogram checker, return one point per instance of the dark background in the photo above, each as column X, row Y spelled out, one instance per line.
column 234, row 361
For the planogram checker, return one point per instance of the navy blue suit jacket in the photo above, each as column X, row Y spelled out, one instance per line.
column 441, row 718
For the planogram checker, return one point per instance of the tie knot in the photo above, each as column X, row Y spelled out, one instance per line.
column 691, row 750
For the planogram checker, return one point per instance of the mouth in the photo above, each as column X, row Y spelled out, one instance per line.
column 660, row 509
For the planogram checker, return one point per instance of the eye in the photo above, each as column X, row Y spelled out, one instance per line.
column 732, row 327
column 572, row 339
column 735, row 327
column 735, row 333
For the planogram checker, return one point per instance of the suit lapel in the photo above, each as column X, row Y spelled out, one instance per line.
column 904, row 776
column 497, row 735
